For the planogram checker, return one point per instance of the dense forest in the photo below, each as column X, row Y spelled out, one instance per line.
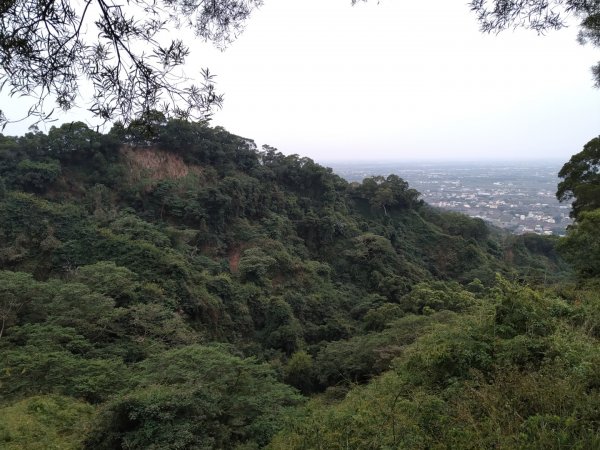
column 168, row 285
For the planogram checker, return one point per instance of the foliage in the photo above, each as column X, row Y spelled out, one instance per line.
column 388, row 193
column 299, row 371
column 49, row 422
column 511, row 373
column 358, row 359
column 11, row 298
column 194, row 397
column 435, row 296
column 581, row 246
column 178, row 282
column 37, row 176
column 581, row 179
column 45, row 51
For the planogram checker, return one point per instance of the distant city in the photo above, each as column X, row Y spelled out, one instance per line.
column 517, row 196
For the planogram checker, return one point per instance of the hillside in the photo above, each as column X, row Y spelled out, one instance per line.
column 176, row 287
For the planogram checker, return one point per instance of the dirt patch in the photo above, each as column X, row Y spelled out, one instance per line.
column 234, row 259
column 155, row 164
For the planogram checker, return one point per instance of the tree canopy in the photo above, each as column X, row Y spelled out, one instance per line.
column 581, row 179
column 49, row 50
column 164, row 291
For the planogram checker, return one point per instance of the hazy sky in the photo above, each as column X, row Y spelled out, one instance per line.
column 401, row 80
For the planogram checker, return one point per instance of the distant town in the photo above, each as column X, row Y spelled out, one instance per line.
column 517, row 196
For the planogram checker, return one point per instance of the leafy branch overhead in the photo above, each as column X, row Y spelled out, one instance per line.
column 541, row 15
column 52, row 50
column 120, row 61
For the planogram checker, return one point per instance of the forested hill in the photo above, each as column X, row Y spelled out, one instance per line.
column 171, row 286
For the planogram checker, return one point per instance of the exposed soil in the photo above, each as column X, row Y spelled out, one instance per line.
column 234, row 259
column 155, row 164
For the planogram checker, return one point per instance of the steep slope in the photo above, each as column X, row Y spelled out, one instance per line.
column 166, row 278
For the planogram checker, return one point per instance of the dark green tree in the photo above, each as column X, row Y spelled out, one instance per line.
column 581, row 246
column 12, row 300
column 195, row 397
column 581, row 179
column 37, row 176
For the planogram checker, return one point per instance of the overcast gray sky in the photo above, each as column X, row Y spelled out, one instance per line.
column 401, row 80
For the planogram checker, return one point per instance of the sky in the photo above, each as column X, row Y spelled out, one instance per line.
column 398, row 80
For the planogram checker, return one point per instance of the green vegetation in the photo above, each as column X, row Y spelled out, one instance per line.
column 518, row 370
column 178, row 288
column 48, row 422
column 581, row 179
